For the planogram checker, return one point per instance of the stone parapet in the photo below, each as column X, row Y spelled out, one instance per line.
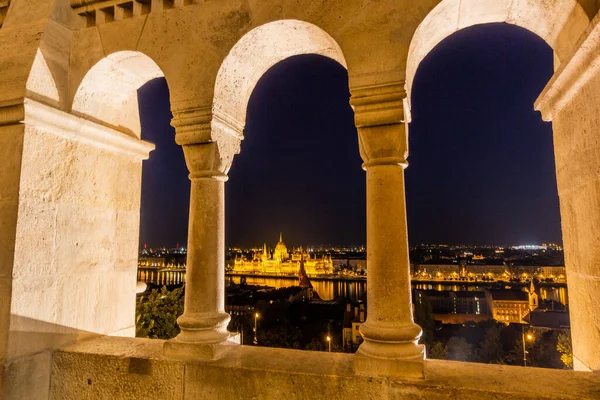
column 119, row 368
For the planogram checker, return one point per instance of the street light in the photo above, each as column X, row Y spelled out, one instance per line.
column 329, row 342
column 530, row 338
column 255, row 338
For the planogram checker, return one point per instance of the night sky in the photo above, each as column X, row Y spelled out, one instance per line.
column 481, row 160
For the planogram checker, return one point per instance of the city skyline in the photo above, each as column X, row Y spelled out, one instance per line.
column 299, row 168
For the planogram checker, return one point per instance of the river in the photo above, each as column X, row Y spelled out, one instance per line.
column 356, row 289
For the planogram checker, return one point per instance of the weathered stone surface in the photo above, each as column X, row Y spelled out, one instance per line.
column 571, row 99
column 135, row 368
column 70, row 171
column 133, row 375
column 33, row 369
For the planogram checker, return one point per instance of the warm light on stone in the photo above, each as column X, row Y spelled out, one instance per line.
column 70, row 178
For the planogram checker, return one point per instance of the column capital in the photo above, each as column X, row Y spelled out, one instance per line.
column 378, row 104
column 379, row 118
column 210, row 140
column 204, row 161
column 203, row 124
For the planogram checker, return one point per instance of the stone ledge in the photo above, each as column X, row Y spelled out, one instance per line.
column 136, row 368
column 72, row 127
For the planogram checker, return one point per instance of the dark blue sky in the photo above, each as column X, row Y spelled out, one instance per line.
column 481, row 160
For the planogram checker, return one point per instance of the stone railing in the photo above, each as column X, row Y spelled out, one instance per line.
column 96, row 12
column 120, row 368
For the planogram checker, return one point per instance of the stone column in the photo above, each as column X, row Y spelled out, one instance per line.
column 204, row 321
column 390, row 336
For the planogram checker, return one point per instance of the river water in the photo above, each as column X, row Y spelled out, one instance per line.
column 356, row 290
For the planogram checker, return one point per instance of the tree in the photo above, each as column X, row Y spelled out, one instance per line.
column 156, row 314
column 424, row 318
column 490, row 349
column 565, row 348
column 459, row 349
column 515, row 354
column 544, row 352
column 438, row 351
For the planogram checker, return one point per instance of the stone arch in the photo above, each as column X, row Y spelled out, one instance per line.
column 108, row 92
column 558, row 22
column 256, row 52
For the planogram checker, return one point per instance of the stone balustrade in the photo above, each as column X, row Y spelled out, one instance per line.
column 117, row 368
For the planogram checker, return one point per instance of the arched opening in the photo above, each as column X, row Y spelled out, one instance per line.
column 135, row 101
column 114, row 101
column 299, row 175
column 255, row 53
column 164, row 210
column 482, row 176
column 539, row 17
column 286, row 86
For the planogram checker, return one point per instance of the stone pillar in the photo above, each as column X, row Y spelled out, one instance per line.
column 204, row 319
column 390, row 336
column 204, row 322
column 571, row 100
column 68, row 247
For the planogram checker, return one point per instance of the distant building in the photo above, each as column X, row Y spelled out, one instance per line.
column 459, row 270
column 455, row 306
column 512, row 306
column 355, row 315
column 542, row 321
column 557, row 272
column 282, row 262
column 236, row 310
column 151, row 261
column 307, row 292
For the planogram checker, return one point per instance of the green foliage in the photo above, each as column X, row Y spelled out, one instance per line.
column 438, row 351
column 491, row 350
column 156, row 314
column 283, row 335
column 544, row 351
column 565, row 348
column 515, row 354
column 459, row 349
column 423, row 317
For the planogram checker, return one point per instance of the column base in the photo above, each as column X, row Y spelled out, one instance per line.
column 175, row 348
column 398, row 360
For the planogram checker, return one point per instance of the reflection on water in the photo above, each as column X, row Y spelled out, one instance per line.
column 356, row 290
column 327, row 290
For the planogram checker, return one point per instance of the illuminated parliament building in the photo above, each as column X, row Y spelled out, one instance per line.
column 283, row 262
